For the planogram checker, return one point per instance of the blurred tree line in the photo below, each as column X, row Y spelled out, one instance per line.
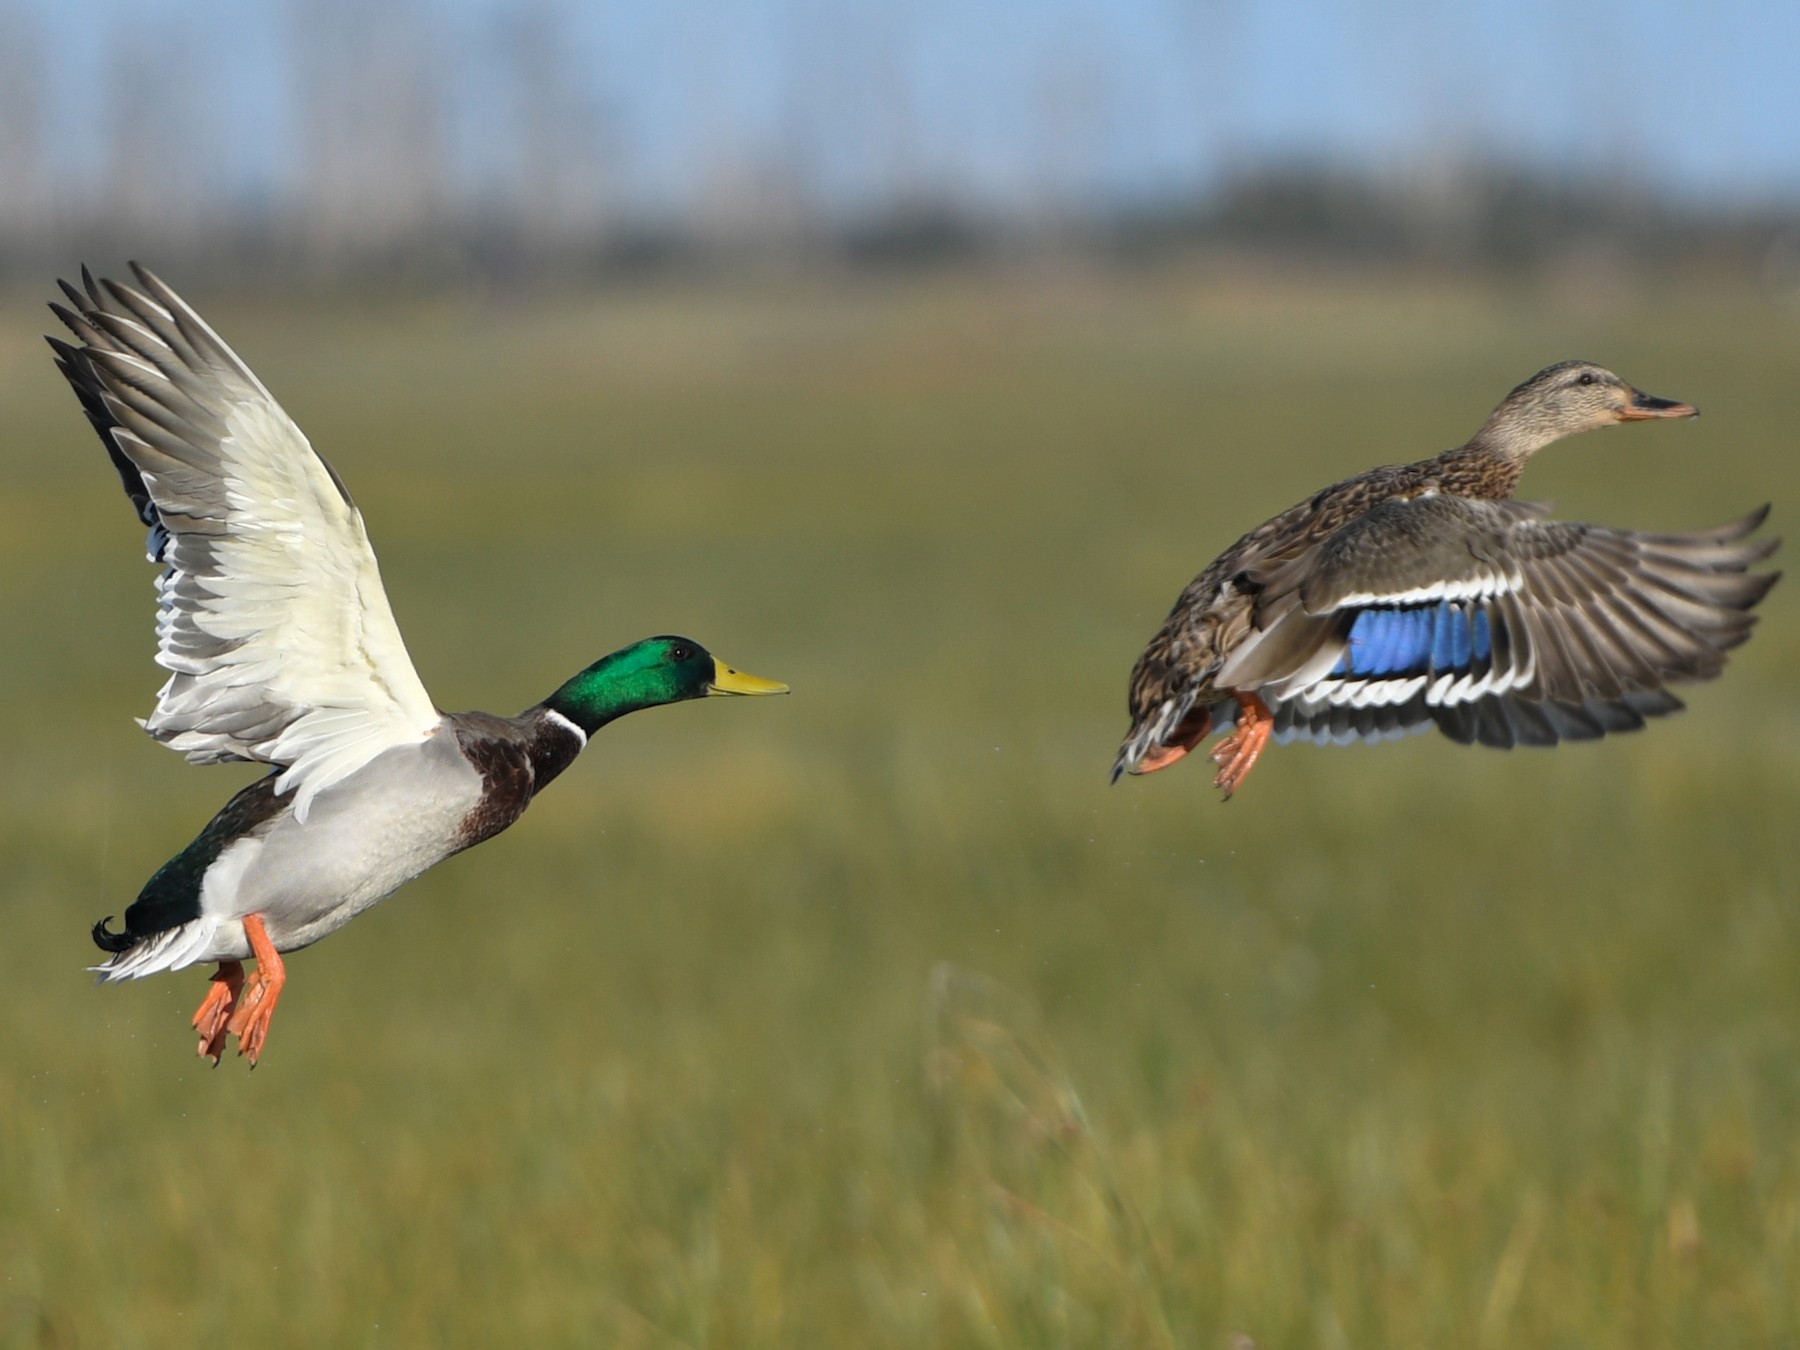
column 389, row 170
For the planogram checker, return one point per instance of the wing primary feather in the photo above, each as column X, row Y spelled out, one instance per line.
column 271, row 615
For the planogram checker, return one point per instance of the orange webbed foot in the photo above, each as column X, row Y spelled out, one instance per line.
column 214, row 1014
column 1237, row 754
column 250, row 1022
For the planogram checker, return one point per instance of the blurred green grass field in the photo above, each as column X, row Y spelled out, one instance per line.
column 872, row 1016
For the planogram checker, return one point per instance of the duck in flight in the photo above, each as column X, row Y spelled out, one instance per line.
column 1420, row 595
column 283, row 650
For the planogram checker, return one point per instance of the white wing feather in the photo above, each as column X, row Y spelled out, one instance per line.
column 272, row 617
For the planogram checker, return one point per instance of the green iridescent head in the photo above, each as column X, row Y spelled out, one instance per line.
column 647, row 674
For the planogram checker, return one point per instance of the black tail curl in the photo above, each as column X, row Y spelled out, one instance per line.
column 108, row 941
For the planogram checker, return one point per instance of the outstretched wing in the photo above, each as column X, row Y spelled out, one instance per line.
column 1494, row 623
column 272, row 615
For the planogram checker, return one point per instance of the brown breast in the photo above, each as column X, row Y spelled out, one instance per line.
column 516, row 758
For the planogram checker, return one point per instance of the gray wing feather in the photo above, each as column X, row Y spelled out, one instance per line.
column 1587, row 624
column 271, row 614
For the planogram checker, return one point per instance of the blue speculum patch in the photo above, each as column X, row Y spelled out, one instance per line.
column 1415, row 640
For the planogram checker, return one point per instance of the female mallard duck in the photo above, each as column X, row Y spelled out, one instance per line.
column 284, row 651
column 1421, row 594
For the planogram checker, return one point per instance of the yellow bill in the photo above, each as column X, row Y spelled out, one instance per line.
column 725, row 680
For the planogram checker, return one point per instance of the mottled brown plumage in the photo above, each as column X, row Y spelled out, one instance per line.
column 1420, row 594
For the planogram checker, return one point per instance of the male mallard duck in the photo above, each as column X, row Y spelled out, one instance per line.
column 1420, row 594
column 284, row 651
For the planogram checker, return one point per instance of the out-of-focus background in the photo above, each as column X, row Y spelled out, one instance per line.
column 457, row 142
column 917, row 355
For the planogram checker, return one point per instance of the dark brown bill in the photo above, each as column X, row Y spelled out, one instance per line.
column 1644, row 406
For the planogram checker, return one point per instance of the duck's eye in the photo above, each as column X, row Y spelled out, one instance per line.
column 680, row 652
column 1587, row 377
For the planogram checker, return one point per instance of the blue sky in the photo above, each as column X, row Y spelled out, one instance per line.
column 1000, row 100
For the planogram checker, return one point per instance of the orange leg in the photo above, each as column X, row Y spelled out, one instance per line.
column 1184, row 738
column 216, row 1008
column 1237, row 754
column 250, row 1023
